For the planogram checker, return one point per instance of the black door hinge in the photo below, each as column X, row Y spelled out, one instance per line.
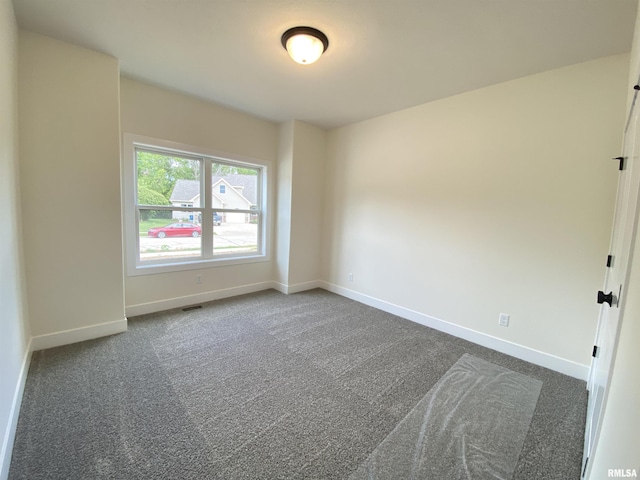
column 621, row 160
column 609, row 260
column 594, row 354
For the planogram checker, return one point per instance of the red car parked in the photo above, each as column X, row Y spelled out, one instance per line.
column 176, row 230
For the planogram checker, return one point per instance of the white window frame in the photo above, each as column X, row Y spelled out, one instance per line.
column 206, row 260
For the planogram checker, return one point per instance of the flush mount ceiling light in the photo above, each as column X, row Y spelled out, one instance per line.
column 305, row 44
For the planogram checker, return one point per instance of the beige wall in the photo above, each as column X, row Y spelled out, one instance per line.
column 307, row 203
column 159, row 113
column 14, row 331
column 300, row 205
column 497, row 200
column 284, row 185
column 156, row 112
column 619, row 441
column 70, row 182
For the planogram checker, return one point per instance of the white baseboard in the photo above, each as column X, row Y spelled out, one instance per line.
column 14, row 413
column 536, row 357
column 178, row 302
column 78, row 334
column 298, row 287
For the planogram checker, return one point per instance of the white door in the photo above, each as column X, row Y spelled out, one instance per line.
column 612, row 297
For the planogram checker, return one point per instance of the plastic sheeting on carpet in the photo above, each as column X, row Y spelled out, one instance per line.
column 470, row 425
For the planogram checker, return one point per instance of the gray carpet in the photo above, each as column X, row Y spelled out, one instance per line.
column 261, row 386
column 471, row 424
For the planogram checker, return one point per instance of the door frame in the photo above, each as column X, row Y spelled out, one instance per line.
column 626, row 217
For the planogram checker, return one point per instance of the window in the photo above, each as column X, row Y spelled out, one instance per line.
column 175, row 218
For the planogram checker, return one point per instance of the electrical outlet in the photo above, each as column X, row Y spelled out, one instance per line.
column 198, row 279
column 351, row 277
column 503, row 319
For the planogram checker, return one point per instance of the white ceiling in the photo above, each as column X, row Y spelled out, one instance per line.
column 383, row 56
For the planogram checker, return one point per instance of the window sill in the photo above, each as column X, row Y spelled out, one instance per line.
column 155, row 269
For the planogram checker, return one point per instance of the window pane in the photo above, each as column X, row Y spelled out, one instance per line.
column 235, row 234
column 163, row 237
column 167, row 179
column 235, row 187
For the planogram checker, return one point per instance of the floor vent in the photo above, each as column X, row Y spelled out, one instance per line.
column 188, row 309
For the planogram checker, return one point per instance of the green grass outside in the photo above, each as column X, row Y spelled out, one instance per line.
column 145, row 225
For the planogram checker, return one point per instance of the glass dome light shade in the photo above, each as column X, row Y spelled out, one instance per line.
column 304, row 49
column 305, row 45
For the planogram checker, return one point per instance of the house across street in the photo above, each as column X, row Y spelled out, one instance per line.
column 231, row 191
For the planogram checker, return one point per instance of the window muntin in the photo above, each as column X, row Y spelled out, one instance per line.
column 214, row 229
